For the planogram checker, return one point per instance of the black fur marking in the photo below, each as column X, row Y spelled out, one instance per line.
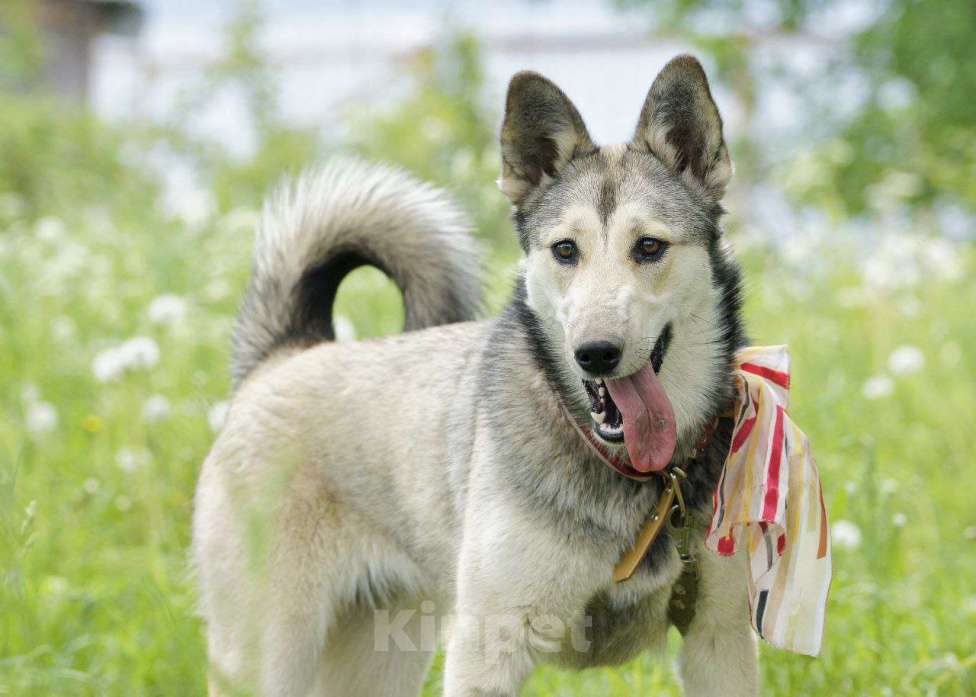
column 607, row 201
column 539, row 346
column 521, row 226
column 315, row 295
column 661, row 347
column 686, row 134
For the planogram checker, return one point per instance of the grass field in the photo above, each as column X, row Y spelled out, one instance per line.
column 114, row 336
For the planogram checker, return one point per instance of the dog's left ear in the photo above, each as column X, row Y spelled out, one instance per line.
column 681, row 126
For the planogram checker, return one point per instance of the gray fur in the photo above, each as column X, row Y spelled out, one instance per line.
column 439, row 468
column 383, row 216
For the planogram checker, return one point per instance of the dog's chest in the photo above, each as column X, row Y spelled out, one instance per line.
column 621, row 620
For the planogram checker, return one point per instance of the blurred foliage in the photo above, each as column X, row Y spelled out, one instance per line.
column 442, row 132
column 20, row 47
column 279, row 147
column 911, row 136
column 45, row 143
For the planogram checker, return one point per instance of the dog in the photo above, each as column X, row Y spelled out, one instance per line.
column 366, row 502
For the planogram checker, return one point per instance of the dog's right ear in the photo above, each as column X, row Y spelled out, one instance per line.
column 541, row 133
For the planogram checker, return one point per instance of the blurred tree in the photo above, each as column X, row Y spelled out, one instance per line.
column 911, row 133
column 21, row 56
column 46, row 141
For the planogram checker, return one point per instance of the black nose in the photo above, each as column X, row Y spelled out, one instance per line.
column 598, row 357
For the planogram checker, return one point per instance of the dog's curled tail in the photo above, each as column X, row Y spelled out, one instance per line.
column 317, row 228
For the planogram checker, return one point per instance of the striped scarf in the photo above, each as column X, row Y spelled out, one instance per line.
column 769, row 501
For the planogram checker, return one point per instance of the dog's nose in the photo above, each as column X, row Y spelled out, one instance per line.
column 598, row 357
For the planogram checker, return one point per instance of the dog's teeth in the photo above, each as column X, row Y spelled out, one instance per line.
column 603, row 391
column 599, row 417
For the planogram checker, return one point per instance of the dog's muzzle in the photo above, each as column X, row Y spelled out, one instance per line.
column 608, row 422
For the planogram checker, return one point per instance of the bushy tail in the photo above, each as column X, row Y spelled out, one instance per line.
column 329, row 221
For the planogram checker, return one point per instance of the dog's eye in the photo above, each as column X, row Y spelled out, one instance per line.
column 565, row 251
column 649, row 249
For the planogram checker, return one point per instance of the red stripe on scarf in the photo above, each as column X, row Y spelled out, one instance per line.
column 743, row 433
column 779, row 377
column 772, row 484
column 726, row 545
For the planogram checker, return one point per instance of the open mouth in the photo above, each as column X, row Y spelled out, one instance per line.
column 608, row 422
column 607, row 417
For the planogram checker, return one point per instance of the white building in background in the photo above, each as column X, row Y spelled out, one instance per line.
column 333, row 52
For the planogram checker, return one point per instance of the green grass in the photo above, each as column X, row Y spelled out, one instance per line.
column 95, row 594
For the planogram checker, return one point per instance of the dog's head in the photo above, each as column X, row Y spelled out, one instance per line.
column 623, row 265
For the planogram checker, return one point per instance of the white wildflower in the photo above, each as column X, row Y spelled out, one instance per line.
column 130, row 460
column 138, row 352
column 462, row 165
column 850, row 487
column 64, row 329
column 910, row 307
column 156, row 408
column 889, row 486
column 217, row 415
column 42, row 417
column 142, row 352
column 49, row 229
column 167, row 309
column 217, row 290
column 943, row 259
column 194, row 206
column 435, row 130
column 894, row 262
column 91, row 486
column 899, row 519
column 344, row 329
column 877, row 387
column 883, row 274
column 906, row 360
column 845, row 534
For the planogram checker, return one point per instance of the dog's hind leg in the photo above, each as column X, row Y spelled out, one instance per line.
column 273, row 568
column 268, row 598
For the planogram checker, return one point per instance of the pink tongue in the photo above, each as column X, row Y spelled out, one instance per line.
column 649, row 429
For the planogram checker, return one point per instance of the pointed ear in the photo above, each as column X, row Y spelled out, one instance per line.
column 541, row 133
column 681, row 126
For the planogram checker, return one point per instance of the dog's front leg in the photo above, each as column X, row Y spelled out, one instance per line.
column 519, row 589
column 719, row 653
